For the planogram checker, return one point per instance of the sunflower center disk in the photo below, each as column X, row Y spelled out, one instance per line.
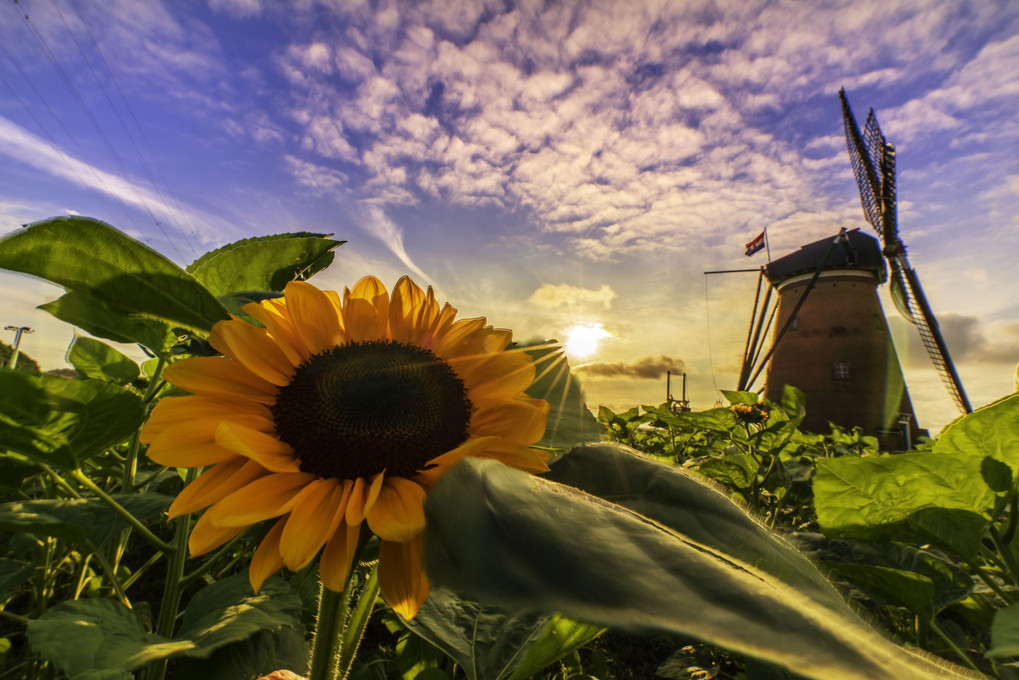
column 364, row 407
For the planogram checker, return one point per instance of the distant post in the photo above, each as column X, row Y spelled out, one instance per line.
column 12, row 361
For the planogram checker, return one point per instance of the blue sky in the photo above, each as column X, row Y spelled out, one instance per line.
column 541, row 164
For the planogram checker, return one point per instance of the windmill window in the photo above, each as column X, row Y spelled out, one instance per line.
column 840, row 370
column 795, row 323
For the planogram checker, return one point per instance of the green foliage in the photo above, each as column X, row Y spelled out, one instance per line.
column 64, row 422
column 93, row 258
column 914, row 497
column 263, row 263
column 491, row 644
column 95, row 359
column 104, row 635
column 104, row 321
column 545, row 548
column 84, row 521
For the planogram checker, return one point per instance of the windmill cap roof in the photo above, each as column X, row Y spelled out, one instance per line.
column 863, row 253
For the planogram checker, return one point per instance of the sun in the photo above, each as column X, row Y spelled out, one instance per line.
column 582, row 341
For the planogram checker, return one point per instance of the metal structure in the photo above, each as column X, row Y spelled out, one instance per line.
column 873, row 161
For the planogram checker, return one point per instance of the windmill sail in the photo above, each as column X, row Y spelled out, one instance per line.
column 873, row 161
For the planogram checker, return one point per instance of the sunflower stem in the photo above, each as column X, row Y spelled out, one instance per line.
column 332, row 614
column 353, row 632
column 174, row 586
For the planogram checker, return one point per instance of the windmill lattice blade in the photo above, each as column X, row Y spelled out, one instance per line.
column 931, row 336
column 864, row 165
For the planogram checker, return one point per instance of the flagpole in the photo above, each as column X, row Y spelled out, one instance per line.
column 767, row 245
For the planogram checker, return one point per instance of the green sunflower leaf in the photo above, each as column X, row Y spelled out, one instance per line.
column 62, row 422
column 920, row 497
column 95, row 359
column 992, row 430
column 93, row 258
column 522, row 542
column 84, row 521
column 570, row 422
column 12, row 575
column 263, row 263
column 106, row 321
column 490, row 644
column 99, row 636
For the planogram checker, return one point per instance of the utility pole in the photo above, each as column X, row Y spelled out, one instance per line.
column 18, row 330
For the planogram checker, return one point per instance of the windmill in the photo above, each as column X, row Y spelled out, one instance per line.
column 873, row 160
column 833, row 340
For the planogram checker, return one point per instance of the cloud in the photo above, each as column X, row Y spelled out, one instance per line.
column 375, row 222
column 237, row 8
column 551, row 296
column 25, row 147
column 968, row 342
column 647, row 368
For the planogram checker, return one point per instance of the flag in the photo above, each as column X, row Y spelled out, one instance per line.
column 756, row 245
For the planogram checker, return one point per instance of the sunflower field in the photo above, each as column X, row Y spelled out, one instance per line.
column 301, row 483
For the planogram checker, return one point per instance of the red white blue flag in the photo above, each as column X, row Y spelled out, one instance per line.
column 756, row 245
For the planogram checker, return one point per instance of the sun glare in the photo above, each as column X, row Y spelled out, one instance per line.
column 582, row 341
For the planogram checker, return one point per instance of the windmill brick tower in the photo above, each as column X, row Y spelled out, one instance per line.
column 837, row 347
column 832, row 340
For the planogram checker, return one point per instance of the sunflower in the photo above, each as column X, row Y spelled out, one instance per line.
column 336, row 417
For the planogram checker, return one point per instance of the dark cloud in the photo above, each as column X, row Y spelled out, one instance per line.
column 968, row 342
column 647, row 368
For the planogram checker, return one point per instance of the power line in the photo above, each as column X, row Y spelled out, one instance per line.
column 95, row 124
column 56, row 147
column 149, row 167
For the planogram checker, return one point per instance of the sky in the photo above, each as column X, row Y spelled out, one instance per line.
column 543, row 164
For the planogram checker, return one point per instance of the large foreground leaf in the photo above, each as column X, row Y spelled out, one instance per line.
column 104, row 635
column 490, row 644
column 912, row 497
column 91, row 257
column 95, row 359
column 991, row 430
column 62, row 422
column 105, row 321
column 569, row 420
column 496, row 534
column 263, row 263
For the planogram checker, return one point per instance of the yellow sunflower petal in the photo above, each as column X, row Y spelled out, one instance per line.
column 219, row 375
column 373, row 491
column 408, row 312
column 278, row 324
column 502, row 376
column 515, row 455
column 338, row 555
column 215, row 483
column 252, row 347
column 267, row 450
column 447, row 344
column 307, row 529
column 267, row 561
column 206, row 536
column 399, row 513
column 371, row 289
column 166, row 451
column 314, row 317
column 362, row 320
column 171, row 411
column 354, row 512
column 262, row 499
column 520, row 420
column 402, row 579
